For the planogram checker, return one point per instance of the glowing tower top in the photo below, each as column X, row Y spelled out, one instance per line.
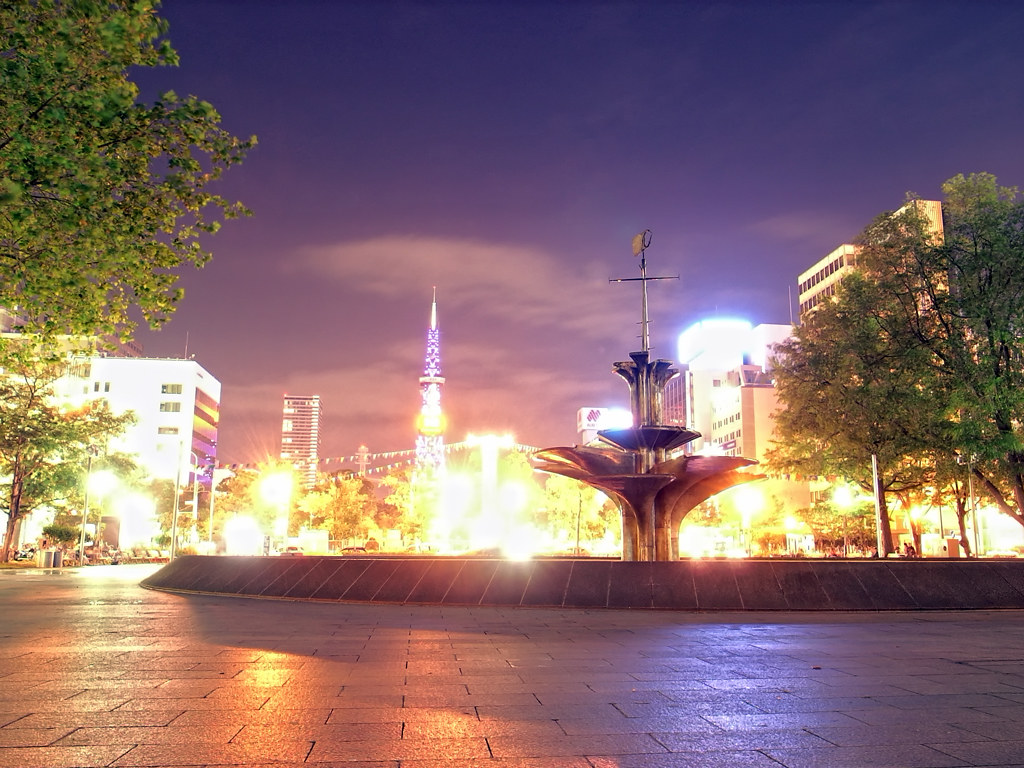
column 431, row 422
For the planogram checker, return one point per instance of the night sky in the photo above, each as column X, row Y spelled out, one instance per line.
column 508, row 153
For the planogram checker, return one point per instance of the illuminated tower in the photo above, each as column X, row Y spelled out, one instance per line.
column 431, row 422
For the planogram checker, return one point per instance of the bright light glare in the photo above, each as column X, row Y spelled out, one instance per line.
column 138, row 519
column 520, row 542
column 749, row 498
column 717, row 344
column 844, row 496
column 102, row 482
column 277, row 488
column 242, row 536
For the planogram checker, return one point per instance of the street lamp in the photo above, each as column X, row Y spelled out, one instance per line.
column 276, row 489
column 218, row 475
column 99, row 484
column 177, row 492
column 92, row 450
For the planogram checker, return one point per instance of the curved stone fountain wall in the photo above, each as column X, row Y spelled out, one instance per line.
column 685, row 585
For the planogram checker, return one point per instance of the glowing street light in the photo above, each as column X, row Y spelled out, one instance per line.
column 276, row 489
column 99, row 483
column 489, row 446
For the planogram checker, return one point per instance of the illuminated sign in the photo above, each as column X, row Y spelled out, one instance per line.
column 596, row 419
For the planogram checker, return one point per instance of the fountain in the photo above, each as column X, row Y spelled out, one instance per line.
column 654, row 488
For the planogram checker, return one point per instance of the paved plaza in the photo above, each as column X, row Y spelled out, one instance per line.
column 95, row 671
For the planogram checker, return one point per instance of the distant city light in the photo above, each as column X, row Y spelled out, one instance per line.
column 717, row 344
column 242, row 536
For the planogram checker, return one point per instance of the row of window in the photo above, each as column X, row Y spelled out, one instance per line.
column 827, row 271
column 722, row 422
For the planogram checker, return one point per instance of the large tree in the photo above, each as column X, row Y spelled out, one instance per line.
column 854, row 396
column 102, row 198
column 44, row 448
column 961, row 298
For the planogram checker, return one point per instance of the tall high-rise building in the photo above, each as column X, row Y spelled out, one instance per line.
column 431, row 422
column 300, row 436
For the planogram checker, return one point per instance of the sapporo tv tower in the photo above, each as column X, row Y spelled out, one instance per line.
column 431, row 422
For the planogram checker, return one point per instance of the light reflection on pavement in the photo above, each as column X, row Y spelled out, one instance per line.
column 95, row 671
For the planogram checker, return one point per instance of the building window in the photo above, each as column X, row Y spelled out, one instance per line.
column 170, row 407
column 167, row 430
column 170, row 389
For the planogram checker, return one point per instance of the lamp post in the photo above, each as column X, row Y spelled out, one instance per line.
column 98, row 484
column 92, row 451
column 218, row 475
column 177, row 492
column 276, row 489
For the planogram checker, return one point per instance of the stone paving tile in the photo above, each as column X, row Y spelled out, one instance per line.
column 986, row 752
column 679, row 725
column 604, row 744
column 185, row 754
column 252, row 716
column 903, row 756
column 32, row 737
column 715, row 704
column 539, row 712
column 400, row 749
column 28, row 706
column 59, row 757
column 468, row 727
column 83, row 737
column 732, row 759
column 400, row 714
column 508, row 762
column 95, row 719
column 883, row 715
column 787, row 702
column 734, row 740
column 208, row 703
column 454, row 699
column 866, row 735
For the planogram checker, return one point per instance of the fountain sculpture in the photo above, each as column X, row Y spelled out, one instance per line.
column 654, row 488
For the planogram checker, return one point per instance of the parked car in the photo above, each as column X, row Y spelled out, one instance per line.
column 291, row 551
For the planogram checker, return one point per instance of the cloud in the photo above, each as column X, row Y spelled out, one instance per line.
column 514, row 283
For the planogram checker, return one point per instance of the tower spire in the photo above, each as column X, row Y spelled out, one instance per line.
column 431, row 421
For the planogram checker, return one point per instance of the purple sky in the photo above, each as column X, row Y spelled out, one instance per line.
column 507, row 153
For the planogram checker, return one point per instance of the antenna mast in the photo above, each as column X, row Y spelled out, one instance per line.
column 640, row 245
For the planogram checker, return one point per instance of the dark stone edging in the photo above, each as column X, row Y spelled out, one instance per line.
column 686, row 585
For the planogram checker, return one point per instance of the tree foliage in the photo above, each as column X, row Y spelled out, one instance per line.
column 920, row 358
column 44, row 448
column 962, row 300
column 102, row 198
column 850, row 391
column 346, row 507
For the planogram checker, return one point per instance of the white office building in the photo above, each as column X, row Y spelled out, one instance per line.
column 176, row 404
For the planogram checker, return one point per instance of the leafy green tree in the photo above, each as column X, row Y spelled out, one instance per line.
column 961, row 299
column 570, row 506
column 851, row 390
column 406, row 517
column 102, row 198
column 346, row 507
column 44, row 448
column 62, row 534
